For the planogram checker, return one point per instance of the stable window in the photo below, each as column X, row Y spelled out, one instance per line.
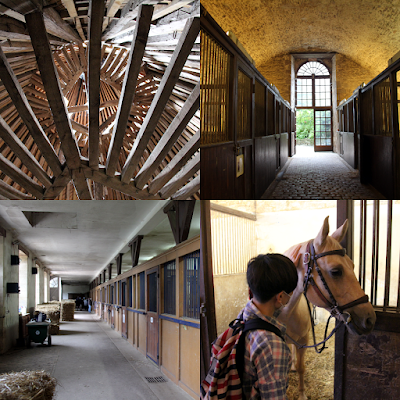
column 260, row 108
column 130, row 292
column 142, row 293
column 313, row 92
column 191, row 294
column 244, row 106
column 170, row 288
column 123, row 293
column 382, row 108
column 111, row 294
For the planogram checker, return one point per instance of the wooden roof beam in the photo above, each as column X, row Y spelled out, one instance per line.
column 180, row 159
column 20, row 150
column 11, row 193
column 70, row 6
column 129, row 86
column 55, row 98
column 181, row 177
column 160, row 99
column 169, row 138
column 188, row 190
column 24, row 109
column 96, row 13
column 19, row 177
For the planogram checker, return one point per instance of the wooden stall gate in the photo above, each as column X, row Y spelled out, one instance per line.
column 152, row 308
column 368, row 367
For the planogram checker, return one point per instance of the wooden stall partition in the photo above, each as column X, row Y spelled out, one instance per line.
column 264, row 163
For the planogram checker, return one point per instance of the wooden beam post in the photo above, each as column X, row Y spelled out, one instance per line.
column 169, row 137
column 55, row 98
column 24, row 109
column 188, row 190
column 180, row 215
column 167, row 84
column 96, row 14
column 129, row 86
column 180, row 159
column 135, row 249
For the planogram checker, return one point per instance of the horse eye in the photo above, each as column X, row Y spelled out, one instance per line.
column 336, row 273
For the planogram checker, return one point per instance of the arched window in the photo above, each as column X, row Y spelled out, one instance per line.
column 313, row 91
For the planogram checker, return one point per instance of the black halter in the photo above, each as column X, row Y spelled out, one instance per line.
column 310, row 259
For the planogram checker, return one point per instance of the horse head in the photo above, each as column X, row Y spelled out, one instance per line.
column 330, row 281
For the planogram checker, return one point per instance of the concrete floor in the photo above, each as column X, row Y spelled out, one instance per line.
column 93, row 362
column 310, row 175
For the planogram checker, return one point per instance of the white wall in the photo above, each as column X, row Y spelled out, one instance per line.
column 82, row 289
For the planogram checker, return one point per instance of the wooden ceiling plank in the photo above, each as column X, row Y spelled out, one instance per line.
column 96, row 13
column 181, row 177
column 70, row 6
column 36, row 27
column 160, row 100
column 171, row 7
column 58, row 27
column 169, row 138
column 21, row 151
column 11, row 193
column 112, row 9
column 82, row 56
column 189, row 190
column 129, row 86
column 19, row 177
column 74, row 57
column 21, row 103
column 69, row 61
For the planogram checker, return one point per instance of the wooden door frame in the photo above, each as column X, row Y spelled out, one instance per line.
column 149, row 272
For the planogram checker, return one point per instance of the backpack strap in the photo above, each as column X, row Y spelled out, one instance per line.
column 251, row 325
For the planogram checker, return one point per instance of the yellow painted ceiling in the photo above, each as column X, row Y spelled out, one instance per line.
column 367, row 31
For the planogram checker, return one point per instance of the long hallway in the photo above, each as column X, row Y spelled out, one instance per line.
column 91, row 361
column 310, row 175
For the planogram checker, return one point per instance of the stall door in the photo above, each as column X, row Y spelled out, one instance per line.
column 124, row 322
column 152, row 277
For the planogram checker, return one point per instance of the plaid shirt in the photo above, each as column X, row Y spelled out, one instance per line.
column 267, row 360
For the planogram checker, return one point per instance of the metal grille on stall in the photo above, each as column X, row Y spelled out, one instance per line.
column 191, row 298
column 376, row 255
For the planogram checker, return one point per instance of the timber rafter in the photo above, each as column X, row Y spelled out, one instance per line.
column 100, row 103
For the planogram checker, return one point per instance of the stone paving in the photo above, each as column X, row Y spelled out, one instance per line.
column 318, row 176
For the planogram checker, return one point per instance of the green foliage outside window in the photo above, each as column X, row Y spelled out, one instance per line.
column 305, row 124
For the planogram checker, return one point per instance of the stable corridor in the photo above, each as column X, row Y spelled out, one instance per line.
column 91, row 361
column 310, row 175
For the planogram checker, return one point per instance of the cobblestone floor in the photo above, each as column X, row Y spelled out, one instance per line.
column 319, row 176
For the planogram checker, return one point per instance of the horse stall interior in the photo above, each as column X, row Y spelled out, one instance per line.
column 352, row 367
column 246, row 127
column 379, row 128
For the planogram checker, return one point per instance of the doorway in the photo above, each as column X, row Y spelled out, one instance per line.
column 314, row 93
column 152, row 277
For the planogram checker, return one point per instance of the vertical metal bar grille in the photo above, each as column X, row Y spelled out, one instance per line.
column 233, row 243
column 243, row 112
column 214, row 91
column 260, row 108
column 378, row 252
column 388, row 257
column 382, row 112
column 142, row 293
column 170, row 288
column 191, row 303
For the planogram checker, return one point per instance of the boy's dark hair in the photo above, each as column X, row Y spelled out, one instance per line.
column 269, row 274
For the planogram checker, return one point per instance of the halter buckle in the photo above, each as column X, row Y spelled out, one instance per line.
column 306, row 259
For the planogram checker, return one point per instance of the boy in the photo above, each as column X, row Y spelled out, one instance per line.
column 267, row 358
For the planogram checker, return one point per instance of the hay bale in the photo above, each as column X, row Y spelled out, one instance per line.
column 67, row 310
column 54, row 329
column 52, row 310
column 27, row 385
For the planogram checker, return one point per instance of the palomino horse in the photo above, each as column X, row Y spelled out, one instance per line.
column 334, row 287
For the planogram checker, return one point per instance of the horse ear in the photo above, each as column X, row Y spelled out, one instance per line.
column 340, row 233
column 323, row 233
column 294, row 254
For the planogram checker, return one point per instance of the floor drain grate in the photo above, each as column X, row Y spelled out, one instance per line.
column 156, row 379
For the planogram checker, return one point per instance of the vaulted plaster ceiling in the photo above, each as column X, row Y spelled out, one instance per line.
column 77, row 240
column 99, row 99
column 366, row 31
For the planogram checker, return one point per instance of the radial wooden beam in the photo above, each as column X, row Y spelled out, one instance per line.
column 96, row 14
column 189, row 190
column 20, row 150
column 183, row 156
column 170, row 77
column 24, row 109
column 129, row 86
column 11, row 193
column 181, row 177
column 55, row 97
column 169, row 137
column 19, row 177
column 70, row 6
column 58, row 27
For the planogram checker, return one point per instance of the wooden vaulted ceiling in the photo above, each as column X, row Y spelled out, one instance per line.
column 99, row 99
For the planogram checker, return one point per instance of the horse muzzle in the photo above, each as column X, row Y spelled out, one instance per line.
column 362, row 319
